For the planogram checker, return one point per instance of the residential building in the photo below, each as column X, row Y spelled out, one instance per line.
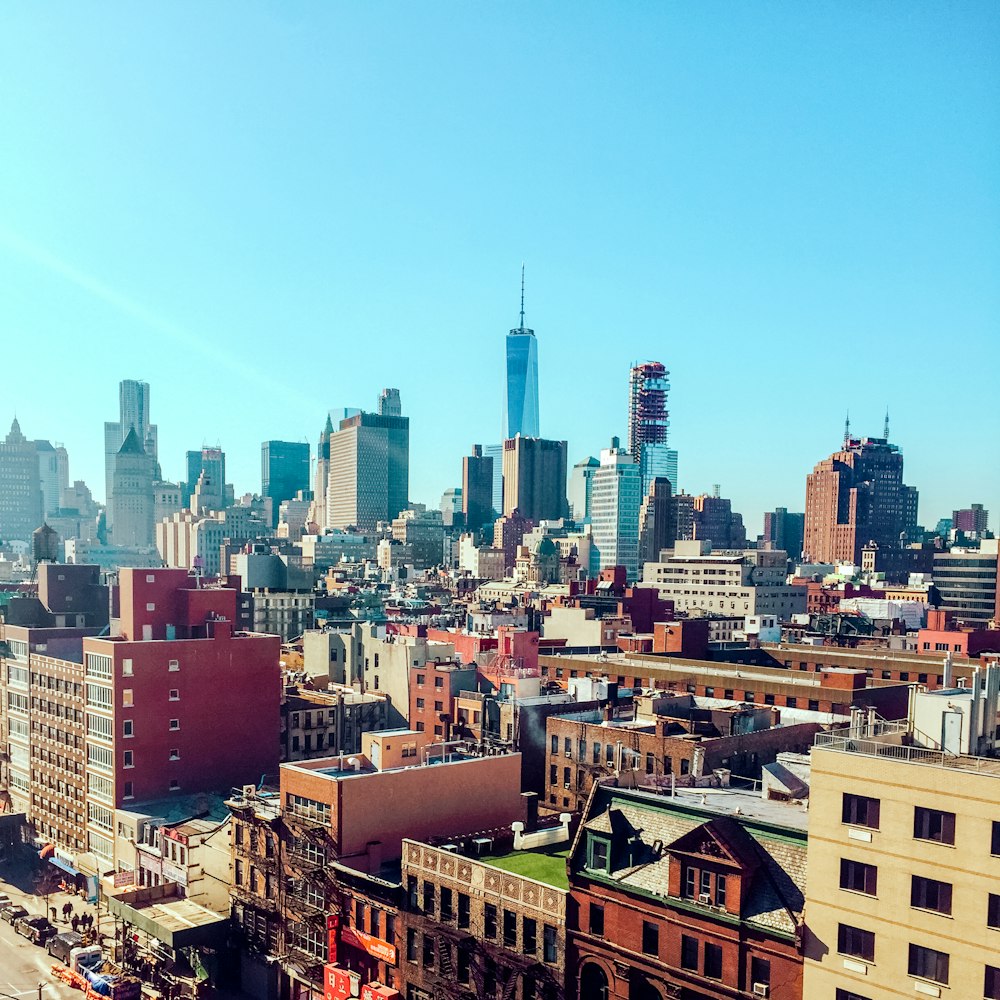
column 133, row 413
column 434, row 686
column 967, row 582
column 332, row 721
column 520, row 409
column 752, row 582
column 903, row 894
column 280, row 592
column 20, row 487
column 972, row 520
column 856, row 496
column 649, row 424
column 534, row 478
column 132, row 501
column 423, row 531
column 369, row 470
column 614, row 512
column 284, row 472
column 784, row 531
column 694, row 896
column 477, row 489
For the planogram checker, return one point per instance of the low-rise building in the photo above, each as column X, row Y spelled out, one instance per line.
column 321, row 723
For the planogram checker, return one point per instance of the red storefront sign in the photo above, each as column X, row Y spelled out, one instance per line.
column 339, row 984
column 332, row 923
column 372, row 991
column 374, row 946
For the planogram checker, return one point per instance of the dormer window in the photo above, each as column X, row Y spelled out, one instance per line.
column 598, row 854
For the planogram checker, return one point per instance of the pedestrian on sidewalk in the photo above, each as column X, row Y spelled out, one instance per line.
column 67, row 910
column 75, row 922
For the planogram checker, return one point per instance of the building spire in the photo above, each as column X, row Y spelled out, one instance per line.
column 885, row 429
column 522, row 296
column 847, row 428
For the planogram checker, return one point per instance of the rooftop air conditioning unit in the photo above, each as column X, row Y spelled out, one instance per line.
column 761, row 989
column 704, row 897
column 249, row 791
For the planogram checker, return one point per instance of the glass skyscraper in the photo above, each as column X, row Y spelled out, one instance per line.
column 520, row 400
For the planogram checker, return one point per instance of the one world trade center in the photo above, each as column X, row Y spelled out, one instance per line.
column 520, row 399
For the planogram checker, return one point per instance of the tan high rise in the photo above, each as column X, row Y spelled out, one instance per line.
column 534, row 478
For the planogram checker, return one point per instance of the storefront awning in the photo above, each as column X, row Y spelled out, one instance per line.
column 64, row 865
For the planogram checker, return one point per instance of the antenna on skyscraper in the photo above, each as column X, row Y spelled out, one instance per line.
column 847, row 428
column 522, row 295
column 885, row 429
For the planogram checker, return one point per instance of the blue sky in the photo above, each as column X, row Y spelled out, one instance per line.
column 267, row 210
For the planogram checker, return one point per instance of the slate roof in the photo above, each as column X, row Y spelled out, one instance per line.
column 777, row 892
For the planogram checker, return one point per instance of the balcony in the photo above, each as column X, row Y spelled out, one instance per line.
column 248, row 897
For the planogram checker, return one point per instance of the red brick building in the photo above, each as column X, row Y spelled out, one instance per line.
column 670, row 900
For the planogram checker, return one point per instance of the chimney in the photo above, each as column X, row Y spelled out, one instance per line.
column 529, row 802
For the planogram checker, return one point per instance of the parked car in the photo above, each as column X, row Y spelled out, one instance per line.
column 36, row 929
column 12, row 912
column 4, row 900
column 60, row 945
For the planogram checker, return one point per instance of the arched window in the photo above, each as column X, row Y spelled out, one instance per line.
column 593, row 983
column 643, row 990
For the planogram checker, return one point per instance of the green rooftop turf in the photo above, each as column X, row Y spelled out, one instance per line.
column 543, row 866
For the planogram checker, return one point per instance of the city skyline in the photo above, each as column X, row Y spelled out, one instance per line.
column 682, row 204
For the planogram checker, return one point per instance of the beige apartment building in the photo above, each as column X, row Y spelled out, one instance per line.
column 903, row 895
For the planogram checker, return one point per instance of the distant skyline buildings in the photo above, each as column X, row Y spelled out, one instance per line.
column 520, row 409
column 284, row 472
column 20, row 487
column 133, row 412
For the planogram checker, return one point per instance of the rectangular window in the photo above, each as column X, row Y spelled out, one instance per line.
column 127, row 760
column 650, row 938
column 760, row 971
column 490, row 921
column 933, row 824
column 175, row 724
column 411, row 944
column 598, row 854
column 173, row 666
column 597, row 919
column 128, row 728
column 995, row 839
column 463, row 910
column 713, row 961
column 509, row 929
column 174, row 695
column 555, row 744
column 529, row 931
column 689, row 952
column 429, row 898
column 447, row 913
column 991, row 983
column 859, row 810
column 126, row 668
column 856, row 876
column 549, row 943
column 690, row 880
column 929, row 894
column 463, row 964
column 993, row 911
column 855, row 942
column 926, row 963
column 411, row 891
column 428, row 951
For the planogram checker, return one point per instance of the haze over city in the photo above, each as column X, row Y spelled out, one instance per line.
column 268, row 214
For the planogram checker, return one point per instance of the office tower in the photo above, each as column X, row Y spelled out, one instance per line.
column 580, row 484
column 20, row 489
column 656, row 527
column 284, row 472
column 972, row 520
column 389, row 404
column 649, row 423
column 967, row 582
column 321, row 474
column 714, row 519
column 477, row 488
column 508, row 532
column 783, row 530
column 495, row 451
column 452, row 504
column 520, row 415
column 614, row 510
column 369, row 469
column 53, row 474
column 534, row 478
column 207, row 468
column 132, row 500
column 854, row 497
column 133, row 412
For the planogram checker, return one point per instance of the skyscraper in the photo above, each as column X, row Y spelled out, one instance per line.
column 477, row 489
column 581, row 480
column 284, row 471
column 534, row 478
column 616, row 496
column 783, row 530
column 854, row 497
column 369, row 469
column 53, row 474
column 132, row 498
column 207, row 469
column 133, row 412
column 520, row 412
column 649, row 423
column 20, row 489
column 656, row 525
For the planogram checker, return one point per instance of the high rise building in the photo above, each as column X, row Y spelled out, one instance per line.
column 321, row 474
column 713, row 518
column 614, row 514
column 451, row 508
column 20, row 488
column 649, row 423
column 389, row 404
column 972, row 520
column 520, row 413
column 495, row 451
column 284, row 471
column 207, row 468
column 477, row 489
column 53, row 474
column 581, row 481
column 133, row 412
column 967, row 582
column 854, row 497
column 783, row 530
column 656, row 526
column 534, row 478
column 369, row 468
column 132, row 501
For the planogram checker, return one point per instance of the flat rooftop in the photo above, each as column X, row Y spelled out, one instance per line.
column 542, row 866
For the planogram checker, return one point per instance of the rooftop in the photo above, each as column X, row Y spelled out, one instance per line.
column 542, row 866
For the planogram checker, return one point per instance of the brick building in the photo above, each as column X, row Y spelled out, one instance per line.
column 670, row 899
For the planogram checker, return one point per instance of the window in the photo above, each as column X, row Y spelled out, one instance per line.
column 855, row 942
column 856, row 876
column 174, row 785
column 127, row 728
column 438, row 682
column 463, row 964
column 128, row 790
column 929, row 894
column 128, row 760
column 174, row 695
column 760, row 971
column 173, row 666
column 411, row 944
column 713, row 961
column 993, row 911
column 599, row 851
column 926, row 963
column 650, row 938
column 933, row 824
column 126, row 668
column 859, row 810
column 429, row 898
column 447, row 913
column 549, row 943
column 848, row 995
column 463, row 910
column 428, row 951
column 689, row 952
column 991, row 983
column 995, row 839
column 509, row 929
column 174, row 754
column 420, row 703
column 690, row 877
column 411, row 891
column 597, row 919
column 555, row 744
column 490, row 921
column 175, row 724
column 529, row 932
